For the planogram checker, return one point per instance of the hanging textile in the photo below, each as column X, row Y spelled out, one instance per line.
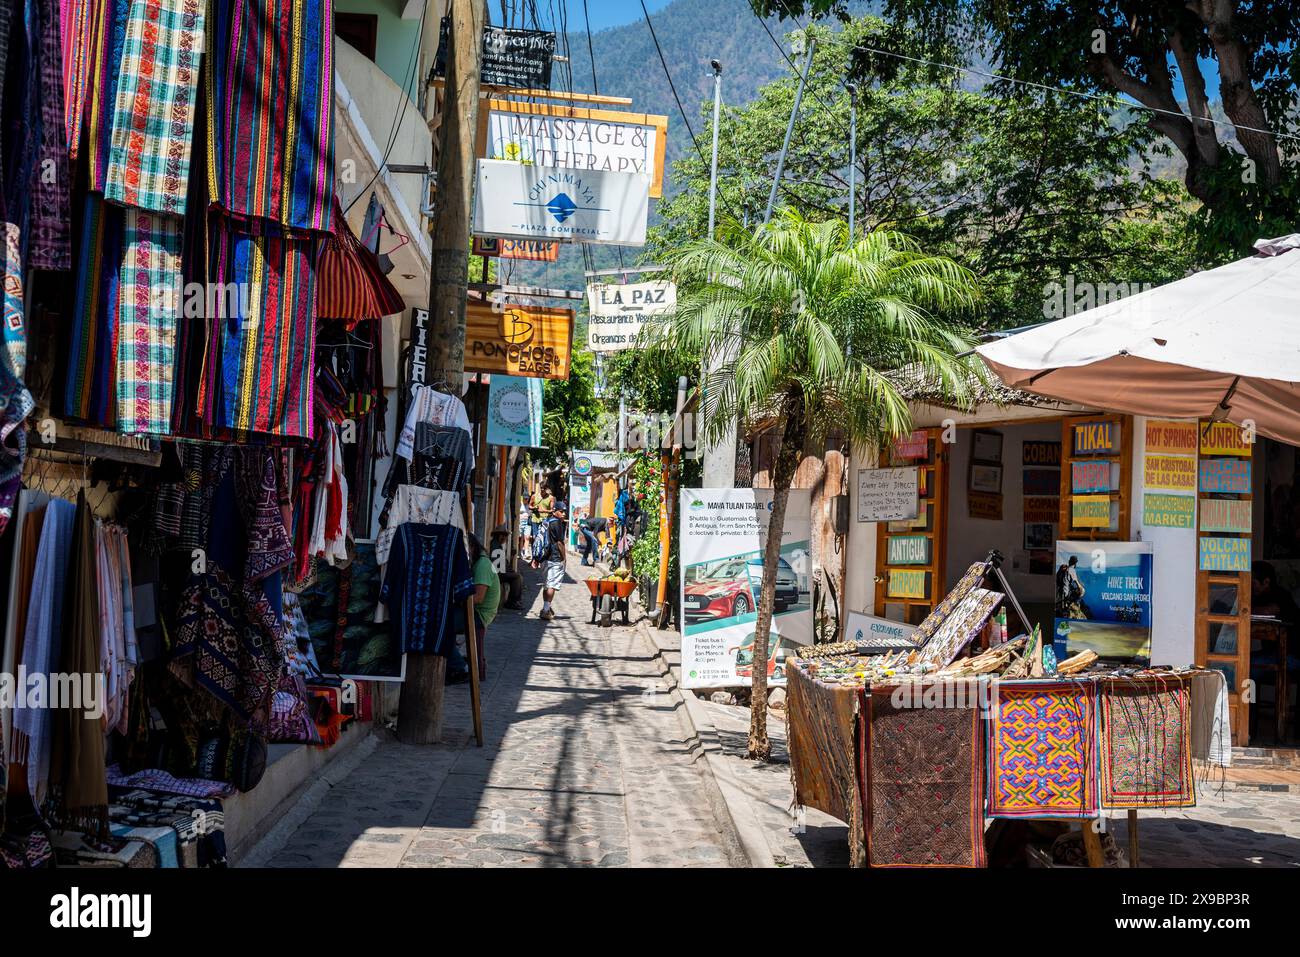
column 6, row 15
column 443, row 457
column 925, row 785
column 270, row 88
column 435, row 408
column 1042, row 750
column 51, row 242
column 149, row 297
column 42, row 643
column 1146, row 755
column 78, row 787
column 352, row 285
column 329, row 532
column 258, row 367
column 90, row 387
column 109, row 45
column 17, row 401
column 79, row 27
column 21, row 108
column 424, row 506
column 428, row 571
column 269, row 547
column 153, row 112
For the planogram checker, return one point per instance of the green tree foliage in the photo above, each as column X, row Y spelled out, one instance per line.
column 1023, row 190
column 572, row 416
column 1169, row 57
column 800, row 326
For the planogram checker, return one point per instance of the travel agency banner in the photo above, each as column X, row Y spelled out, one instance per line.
column 514, row 411
column 1103, row 600
column 575, row 138
column 617, row 312
column 520, row 201
column 723, row 534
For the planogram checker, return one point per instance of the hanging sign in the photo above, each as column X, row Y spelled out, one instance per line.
column 914, row 446
column 908, row 550
column 1174, row 473
column 1174, row 438
column 1090, row 476
column 1090, row 511
column 530, row 341
column 1168, row 511
column 1224, row 438
column 514, row 411
column 616, row 312
column 520, row 201
column 575, row 138
column 530, row 250
column 1103, row 599
column 1096, row 438
column 723, row 536
column 908, row 584
column 870, row 633
column 418, row 369
column 987, row 505
column 1226, row 515
column 511, row 57
column 886, row 495
column 1039, row 509
column 1224, row 554
column 1042, row 482
column 1225, row 475
column 1041, row 454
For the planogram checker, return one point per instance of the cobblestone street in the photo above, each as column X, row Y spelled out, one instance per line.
column 586, row 762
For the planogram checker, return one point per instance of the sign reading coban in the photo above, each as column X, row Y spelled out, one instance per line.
column 531, row 341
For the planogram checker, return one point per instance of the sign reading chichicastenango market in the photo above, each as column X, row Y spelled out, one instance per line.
column 723, row 534
column 519, row 201
column 617, row 312
column 576, row 138
column 511, row 57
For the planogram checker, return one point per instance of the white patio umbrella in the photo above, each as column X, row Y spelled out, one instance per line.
column 1222, row 344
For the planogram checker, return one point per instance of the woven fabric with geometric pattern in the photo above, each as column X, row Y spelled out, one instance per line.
column 1042, row 750
column 1146, row 752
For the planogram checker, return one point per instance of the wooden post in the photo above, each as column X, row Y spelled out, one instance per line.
column 419, row 718
column 1092, row 844
column 471, row 646
column 1132, row 837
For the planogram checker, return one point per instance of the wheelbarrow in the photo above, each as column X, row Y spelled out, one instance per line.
column 609, row 596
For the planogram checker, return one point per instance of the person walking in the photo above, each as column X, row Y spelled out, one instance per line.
column 539, row 508
column 549, row 548
column 592, row 527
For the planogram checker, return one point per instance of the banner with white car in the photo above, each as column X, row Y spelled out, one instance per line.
column 723, row 534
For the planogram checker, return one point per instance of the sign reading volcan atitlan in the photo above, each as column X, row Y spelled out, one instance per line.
column 616, row 312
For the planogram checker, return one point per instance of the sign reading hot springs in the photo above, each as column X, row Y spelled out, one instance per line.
column 617, row 312
column 723, row 533
column 518, row 201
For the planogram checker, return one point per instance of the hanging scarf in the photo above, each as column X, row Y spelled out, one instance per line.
column 51, row 243
column 17, row 401
column 269, row 548
column 148, row 307
column 89, row 392
column 153, row 113
column 258, row 367
column 78, row 788
column 79, row 26
column 109, row 44
column 270, row 89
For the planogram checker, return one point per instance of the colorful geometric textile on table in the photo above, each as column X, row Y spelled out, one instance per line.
column 1146, row 754
column 1042, row 750
column 153, row 114
column 258, row 369
column 924, row 785
column 270, row 90
column 149, row 302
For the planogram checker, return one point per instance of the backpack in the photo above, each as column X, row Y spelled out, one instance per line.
column 555, row 532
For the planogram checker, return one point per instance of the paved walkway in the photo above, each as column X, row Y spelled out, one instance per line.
column 587, row 762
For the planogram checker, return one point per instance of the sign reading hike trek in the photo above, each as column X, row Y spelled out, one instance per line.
column 615, row 312
column 531, row 341
column 520, row 201
column 575, row 138
column 723, row 533
column 511, row 57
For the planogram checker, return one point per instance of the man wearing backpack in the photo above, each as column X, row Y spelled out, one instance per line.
column 548, row 552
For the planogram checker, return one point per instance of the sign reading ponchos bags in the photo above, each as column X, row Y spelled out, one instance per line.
column 517, row 201
column 535, row 342
column 616, row 312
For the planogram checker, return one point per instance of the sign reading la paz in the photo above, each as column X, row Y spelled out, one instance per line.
column 616, row 312
column 519, row 201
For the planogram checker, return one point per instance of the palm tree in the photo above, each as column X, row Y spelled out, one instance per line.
column 798, row 326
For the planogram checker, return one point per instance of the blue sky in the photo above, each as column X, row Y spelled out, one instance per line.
column 603, row 13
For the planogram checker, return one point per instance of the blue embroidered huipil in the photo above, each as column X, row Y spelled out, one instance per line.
column 427, row 571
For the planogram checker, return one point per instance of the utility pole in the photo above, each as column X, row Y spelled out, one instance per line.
column 789, row 131
column 713, row 168
column 719, row 458
column 419, row 717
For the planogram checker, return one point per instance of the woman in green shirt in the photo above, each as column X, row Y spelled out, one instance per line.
column 487, row 595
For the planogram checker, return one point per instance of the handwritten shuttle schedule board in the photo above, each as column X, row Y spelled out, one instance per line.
column 886, row 495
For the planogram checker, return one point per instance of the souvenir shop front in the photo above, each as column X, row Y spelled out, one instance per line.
column 192, row 414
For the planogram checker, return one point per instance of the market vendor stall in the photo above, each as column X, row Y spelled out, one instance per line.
column 918, row 752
